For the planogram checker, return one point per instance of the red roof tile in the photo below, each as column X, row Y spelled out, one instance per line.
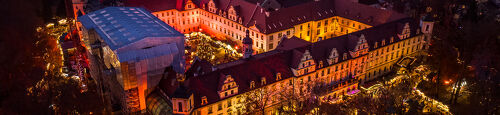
column 268, row 64
column 291, row 43
column 292, row 12
column 152, row 5
column 250, row 70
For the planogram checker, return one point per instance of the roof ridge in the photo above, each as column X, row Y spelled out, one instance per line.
column 253, row 14
column 228, row 4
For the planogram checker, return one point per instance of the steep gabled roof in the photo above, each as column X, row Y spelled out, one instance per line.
column 292, row 12
column 251, row 70
column 181, row 92
column 321, row 50
column 286, row 18
column 199, row 67
column 364, row 13
column 152, row 5
column 267, row 65
column 291, row 43
column 162, row 5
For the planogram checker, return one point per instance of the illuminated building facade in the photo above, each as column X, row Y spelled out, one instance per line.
column 342, row 62
column 335, row 43
column 267, row 20
column 129, row 51
column 78, row 9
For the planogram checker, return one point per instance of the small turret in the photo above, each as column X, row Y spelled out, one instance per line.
column 427, row 22
column 426, row 26
column 247, row 46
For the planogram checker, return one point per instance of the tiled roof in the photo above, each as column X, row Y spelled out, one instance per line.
column 291, row 43
column 181, row 92
column 286, row 18
column 152, row 5
column 253, row 69
column 364, row 13
column 386, row 31
column 281, row 60
column 283, row 3
column 161, row 5
column 320, row 51
column 169, row 83
column 199, row 67
column 292, row 12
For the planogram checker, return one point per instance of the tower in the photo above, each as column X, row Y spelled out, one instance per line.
column 427, row 24
column 247, row 46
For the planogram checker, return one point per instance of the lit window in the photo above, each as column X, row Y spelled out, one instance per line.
column 203, row 100
column 263, row 82
column 252, row 84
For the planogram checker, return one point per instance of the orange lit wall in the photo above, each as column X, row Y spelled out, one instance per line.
column 226, row 26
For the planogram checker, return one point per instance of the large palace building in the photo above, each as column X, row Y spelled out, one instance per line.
column 339, row 64
column 334, row 44
column 267, row 20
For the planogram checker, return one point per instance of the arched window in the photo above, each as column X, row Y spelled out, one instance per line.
column 263, row 82
column 203, row 100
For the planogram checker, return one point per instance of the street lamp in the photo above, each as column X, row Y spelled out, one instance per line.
column 446, row 82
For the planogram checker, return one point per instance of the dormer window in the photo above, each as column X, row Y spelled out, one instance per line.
column 344, row 56
column 263, row 81
column 361, row 43
column 333, row 58
column 383, row 42
column 252, row 84
column 211, row 6
column 306, row 57
column 320, row 64
column 405, row 33
column 228, row 88
column 376, row 45
column 189, row 5
column 392, row 40
column 278, row 76
column 232, row 13
column 204, row 100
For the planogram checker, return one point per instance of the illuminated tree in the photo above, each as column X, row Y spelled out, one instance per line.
column 255, row 101
column 301, row 98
